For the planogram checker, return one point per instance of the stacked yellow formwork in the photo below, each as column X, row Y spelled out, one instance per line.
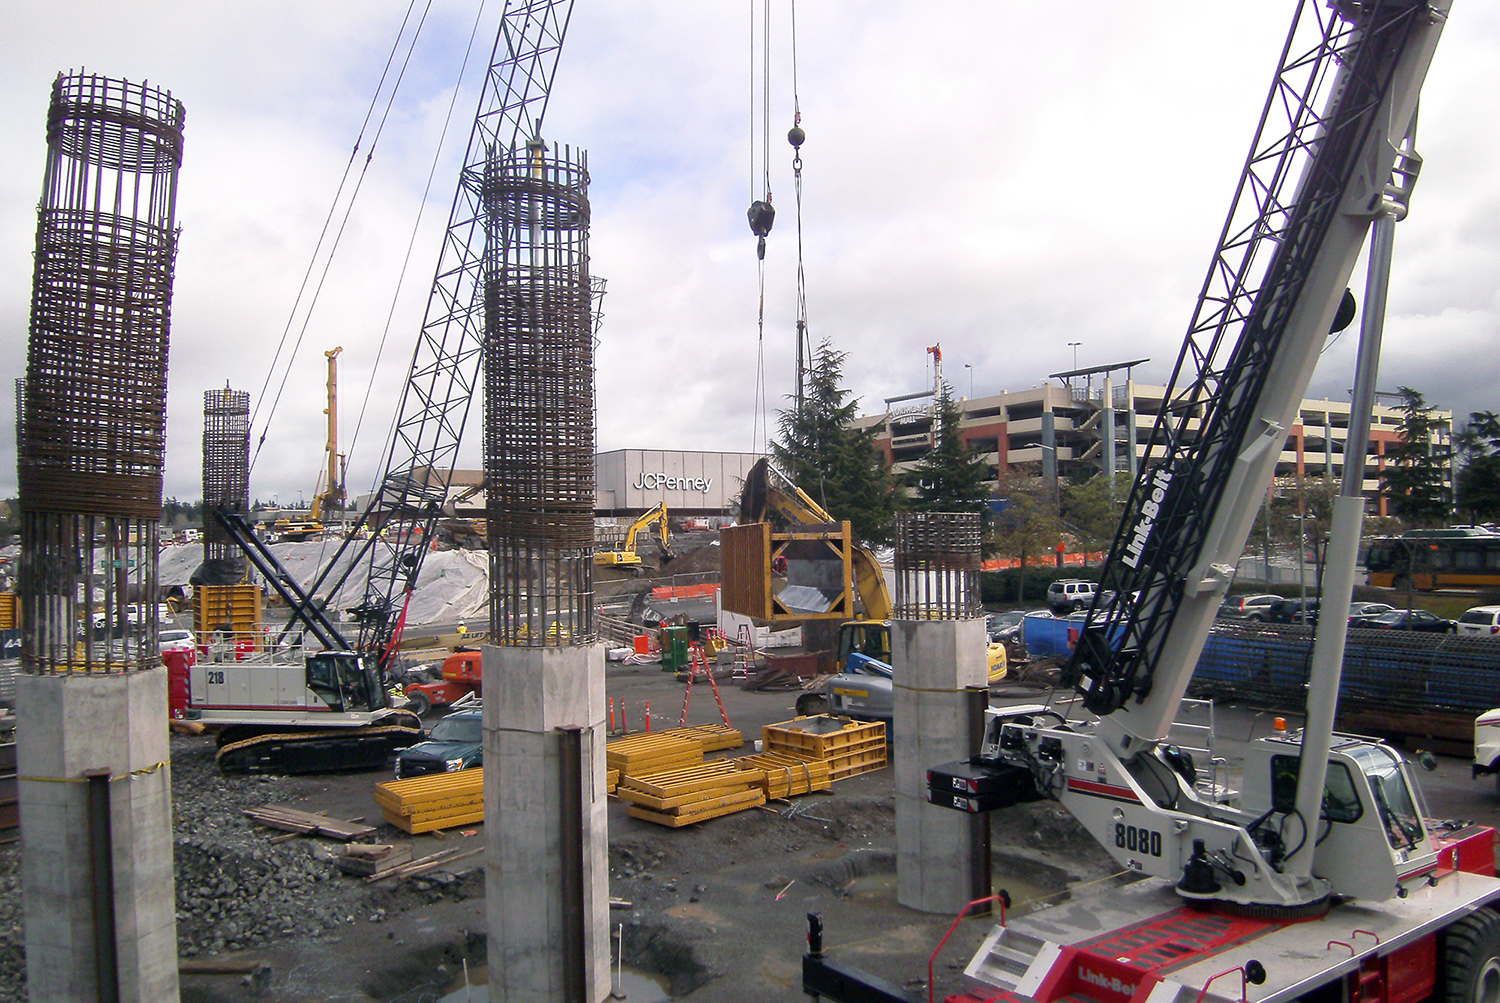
column 712, row 737
column 10, row 611
column 784, row 776
column 849, row 747
column 641, row 754
column 439, row 801
column 681, row 797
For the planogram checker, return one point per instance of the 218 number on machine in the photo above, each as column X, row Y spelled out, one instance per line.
column 1137, row 839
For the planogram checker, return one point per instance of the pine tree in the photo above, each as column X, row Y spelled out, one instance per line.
column 835, row 463
column 1413, row 475
column 1478, row 484
column 951, row 477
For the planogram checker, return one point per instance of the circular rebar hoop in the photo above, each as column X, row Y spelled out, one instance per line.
column 93, row 412
column 937, row 565
column 539, row 400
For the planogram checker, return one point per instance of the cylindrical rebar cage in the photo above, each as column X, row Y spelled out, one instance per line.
column 937, row 565
column 539, row 399
column 226, row 466
column 94, row 411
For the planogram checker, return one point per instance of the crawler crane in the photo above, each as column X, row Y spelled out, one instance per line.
column 1327, row 881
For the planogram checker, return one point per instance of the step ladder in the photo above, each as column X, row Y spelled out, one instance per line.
column 744, row 651
column 696, row 664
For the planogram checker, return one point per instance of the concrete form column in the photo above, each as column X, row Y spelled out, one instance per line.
column 532, row 696
column 72, row 725
column 937, row 849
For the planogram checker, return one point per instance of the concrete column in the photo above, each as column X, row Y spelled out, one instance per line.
column 937, row 849
column 532, row 696
column 72, row 725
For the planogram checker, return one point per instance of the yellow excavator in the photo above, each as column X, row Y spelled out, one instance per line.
column 626, row 555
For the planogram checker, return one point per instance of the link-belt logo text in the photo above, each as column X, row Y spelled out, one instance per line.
column 1147, row 520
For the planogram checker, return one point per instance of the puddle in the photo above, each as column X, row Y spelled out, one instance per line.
column 626, row 984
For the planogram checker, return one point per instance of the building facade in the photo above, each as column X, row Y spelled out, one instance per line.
column 1068, row 433
column 696, row 484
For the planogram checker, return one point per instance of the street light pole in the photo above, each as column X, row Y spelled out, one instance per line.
column 971, row 380
column 1074, row 345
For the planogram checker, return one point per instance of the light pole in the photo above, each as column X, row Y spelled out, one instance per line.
column 971, row 380
column 1074, row 345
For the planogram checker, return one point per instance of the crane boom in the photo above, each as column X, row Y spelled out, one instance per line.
column 1327, row 141
column 445, row 366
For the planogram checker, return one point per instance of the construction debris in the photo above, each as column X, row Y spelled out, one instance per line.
column 366, row 859
column 308, row 824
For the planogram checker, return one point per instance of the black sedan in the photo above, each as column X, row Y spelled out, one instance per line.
column 1404, row 619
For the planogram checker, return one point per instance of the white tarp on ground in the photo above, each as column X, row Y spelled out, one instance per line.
column 454, row 584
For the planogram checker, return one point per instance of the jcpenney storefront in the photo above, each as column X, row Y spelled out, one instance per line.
column 630, row 481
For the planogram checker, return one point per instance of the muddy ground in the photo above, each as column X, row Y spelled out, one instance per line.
column 716, row 910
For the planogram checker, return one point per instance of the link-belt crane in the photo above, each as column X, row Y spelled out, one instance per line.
column 1329, row 843
column 283, row 715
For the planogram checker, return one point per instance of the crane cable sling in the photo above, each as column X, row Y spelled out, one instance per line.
column 761, row 214
column 411, row 244
column 343, row 223
column 796, row 136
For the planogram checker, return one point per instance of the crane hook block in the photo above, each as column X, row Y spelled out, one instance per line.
column 762, row 215
column 796, row 136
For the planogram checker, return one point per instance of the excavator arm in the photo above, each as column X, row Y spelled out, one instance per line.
column 780, row 525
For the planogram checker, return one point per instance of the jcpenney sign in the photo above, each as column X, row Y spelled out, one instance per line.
column 662, row 482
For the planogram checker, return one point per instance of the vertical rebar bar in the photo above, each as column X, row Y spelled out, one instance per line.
column 226, row 467
column 539, row 399
column 937, row 565
column 94, row 411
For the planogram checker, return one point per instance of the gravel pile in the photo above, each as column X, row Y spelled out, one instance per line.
column 235, row 889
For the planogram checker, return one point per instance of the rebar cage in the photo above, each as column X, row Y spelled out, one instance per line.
column 94, row 410
column 226, row 467
column 937, row 566
column 539, row 399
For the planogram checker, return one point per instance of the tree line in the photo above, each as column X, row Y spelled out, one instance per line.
column 1025, row 518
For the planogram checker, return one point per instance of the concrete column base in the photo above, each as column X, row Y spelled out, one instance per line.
column 70, row 725
column 938, row 850
column 531, row 696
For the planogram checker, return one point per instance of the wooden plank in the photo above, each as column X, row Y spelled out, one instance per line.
column 296, row 821
column 747, row 799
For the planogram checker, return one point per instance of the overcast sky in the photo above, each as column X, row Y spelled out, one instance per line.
column 1000, row 178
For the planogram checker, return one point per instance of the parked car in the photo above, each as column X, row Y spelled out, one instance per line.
column 1405, row 619
column 1004, row 626
column 1292, row 611
column 455, row 743
column 1067, row 595
column 1247, row 607
column 176, row 640
column 1370, row 609
column 1480, row 620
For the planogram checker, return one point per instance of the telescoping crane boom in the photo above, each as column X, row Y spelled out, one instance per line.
column 1329, row 843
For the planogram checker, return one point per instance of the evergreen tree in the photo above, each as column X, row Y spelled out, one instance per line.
column 1027, row 529
column 1477, row 485
column 1413, row 475
column 835, row 463
column 1092, row 510
column 951, row 477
